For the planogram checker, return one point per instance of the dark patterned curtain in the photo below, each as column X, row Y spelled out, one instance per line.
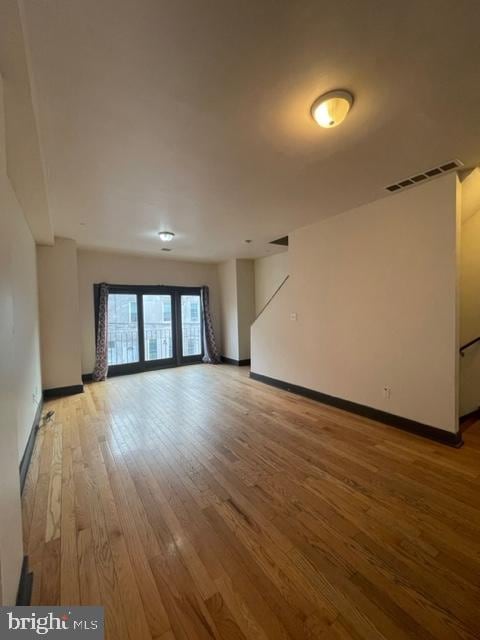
column 101, row 352
column 212, row 355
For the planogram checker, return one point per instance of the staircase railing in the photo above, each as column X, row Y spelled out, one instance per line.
column 272, row 297
column 468, row 344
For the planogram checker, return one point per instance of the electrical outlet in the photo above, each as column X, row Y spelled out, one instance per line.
column 293, row 316
column 387, row 392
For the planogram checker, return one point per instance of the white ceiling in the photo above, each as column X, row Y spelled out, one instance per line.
column 25, row 165
column 193, row 116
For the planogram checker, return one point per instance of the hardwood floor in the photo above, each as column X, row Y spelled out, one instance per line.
column 196, row 503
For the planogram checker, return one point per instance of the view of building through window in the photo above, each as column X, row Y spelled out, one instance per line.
column 123, row 327
column 157, row 327
column 191, row 327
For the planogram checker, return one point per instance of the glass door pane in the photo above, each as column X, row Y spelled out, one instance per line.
column 157, row 327
column 191, row 326
column 122, row 328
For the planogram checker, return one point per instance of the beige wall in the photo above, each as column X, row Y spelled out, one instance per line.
column 227, row 276
column 10, row 511
column 470, row 193
column 245, row 305
column 28, row 386
column 469, row 295
column 59, row 314
column 270, row 272
column 237, row 303
column 374, row 290
column 117, row 268
column 20, row 382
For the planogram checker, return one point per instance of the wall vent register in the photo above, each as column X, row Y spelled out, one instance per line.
column 426, row 175
column 283, row 242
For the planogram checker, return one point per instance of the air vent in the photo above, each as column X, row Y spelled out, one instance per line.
column 165, row 249
column 426, row 175
column 281, row 241
column 419, row 178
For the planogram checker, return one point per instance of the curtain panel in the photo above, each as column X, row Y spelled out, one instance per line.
column 101, row 348
column 100, row 372
column 212, row 354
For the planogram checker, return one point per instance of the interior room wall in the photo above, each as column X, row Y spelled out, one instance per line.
column 245, row 305
column 59, row 314
column 20, row 381
column 227, row 276
column 469, row 294
column 270, row 272
column 120, row 268
column 371, row 302
column 10, row 509
column 237, row 300
column 26, row 364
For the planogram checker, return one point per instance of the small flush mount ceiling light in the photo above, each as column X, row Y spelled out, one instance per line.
column 332, row 108
column 166, row 236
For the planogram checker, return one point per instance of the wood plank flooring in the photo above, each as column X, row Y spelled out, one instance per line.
column 195, row 503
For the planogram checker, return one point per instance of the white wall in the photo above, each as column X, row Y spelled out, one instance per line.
column 237, row 304
column 117, row 268
column 20, row 381
column 10, row 510
column 245, row 305
column 270, row 272
column 470, row 315
column 227, row 275
column 28, row 386
column 59, row 314
column 470, row 294
column 375, row 290
column 470, row 192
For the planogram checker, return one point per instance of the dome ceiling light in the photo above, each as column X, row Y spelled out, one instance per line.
column 166, row 236
column 332, row 108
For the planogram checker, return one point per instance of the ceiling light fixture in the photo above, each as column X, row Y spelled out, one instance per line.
column 332, row 108
column 166, row 236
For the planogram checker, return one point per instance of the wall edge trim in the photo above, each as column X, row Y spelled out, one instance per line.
column 238, row 363
column 28, row 451
column 59, row 392
column 25, row 584
column 389, row 419
column 471, row 414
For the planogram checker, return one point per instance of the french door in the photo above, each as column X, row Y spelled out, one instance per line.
column 150, row 327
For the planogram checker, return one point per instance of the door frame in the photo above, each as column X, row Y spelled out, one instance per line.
column 139, row 290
